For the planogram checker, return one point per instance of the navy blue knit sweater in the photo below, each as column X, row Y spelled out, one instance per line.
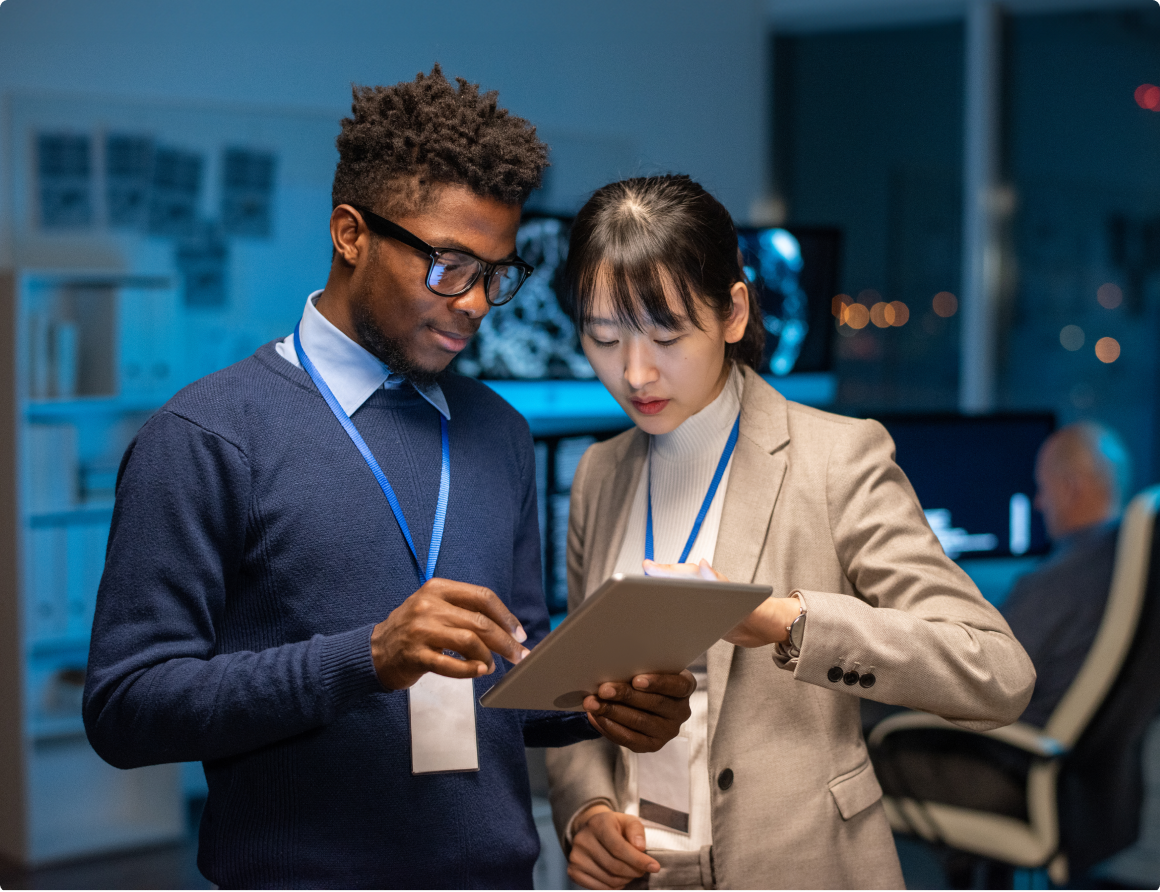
column 251, row 555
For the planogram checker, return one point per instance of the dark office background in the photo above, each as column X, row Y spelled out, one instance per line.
column 844, row 117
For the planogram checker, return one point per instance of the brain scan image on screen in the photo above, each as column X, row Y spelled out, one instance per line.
column 773, row 262
column 530, row 337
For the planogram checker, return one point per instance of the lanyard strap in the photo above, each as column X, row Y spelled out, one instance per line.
column 717, row 475
column 384, row 484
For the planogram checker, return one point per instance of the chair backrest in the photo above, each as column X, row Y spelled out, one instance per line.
column 1117, row 630
column 1100, row 791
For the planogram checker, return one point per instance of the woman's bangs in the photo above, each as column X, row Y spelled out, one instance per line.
column 640, row 292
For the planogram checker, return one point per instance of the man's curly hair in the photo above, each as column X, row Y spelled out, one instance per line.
column 406, row 138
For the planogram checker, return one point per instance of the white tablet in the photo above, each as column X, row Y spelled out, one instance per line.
column 629, row 626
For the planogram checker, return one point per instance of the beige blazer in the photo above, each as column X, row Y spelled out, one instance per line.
column 815, row 503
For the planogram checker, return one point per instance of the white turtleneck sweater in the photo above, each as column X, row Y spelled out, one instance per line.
column 682, row 464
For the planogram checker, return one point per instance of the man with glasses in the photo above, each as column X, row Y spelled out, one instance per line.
column 317, row 553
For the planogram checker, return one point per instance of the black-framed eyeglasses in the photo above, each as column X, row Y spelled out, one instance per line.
column 453, row 271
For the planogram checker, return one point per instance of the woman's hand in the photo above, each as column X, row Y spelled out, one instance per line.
column 768, row 624
column 608, row 849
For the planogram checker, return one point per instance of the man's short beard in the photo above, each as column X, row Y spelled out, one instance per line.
column 391, row 351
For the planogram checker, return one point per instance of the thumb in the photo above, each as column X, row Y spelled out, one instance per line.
column 634, row 831
column 707, row 572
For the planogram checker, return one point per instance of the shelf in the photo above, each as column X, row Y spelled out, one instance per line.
column 49, row 647
column 81, row 515
column 49, row 727
column 88, row 407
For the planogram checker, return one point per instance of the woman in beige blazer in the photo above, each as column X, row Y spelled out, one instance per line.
column 772, row 764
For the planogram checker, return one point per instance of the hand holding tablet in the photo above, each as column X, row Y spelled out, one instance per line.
column 631, row 626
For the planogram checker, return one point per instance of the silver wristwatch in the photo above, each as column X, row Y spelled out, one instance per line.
column 797, row 632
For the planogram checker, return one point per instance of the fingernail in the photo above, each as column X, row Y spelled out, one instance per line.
column 640, row 682
column 654, row 868
column 482, row 670
column 520, row 635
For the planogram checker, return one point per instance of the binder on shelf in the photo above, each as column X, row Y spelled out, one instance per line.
column 50, row 453
column 46, row 581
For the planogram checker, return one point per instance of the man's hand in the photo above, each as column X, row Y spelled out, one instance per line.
column 444, row 615
column 643, row 715
column 768, row 624
column 608, row 849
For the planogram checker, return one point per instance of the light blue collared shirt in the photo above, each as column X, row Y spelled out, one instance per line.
column 349, row 370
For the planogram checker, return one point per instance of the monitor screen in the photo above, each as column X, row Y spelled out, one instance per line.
column 975, row 479
column 795, row 270
column 532, row 338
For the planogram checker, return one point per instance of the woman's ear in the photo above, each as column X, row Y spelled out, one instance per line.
column 739, row 314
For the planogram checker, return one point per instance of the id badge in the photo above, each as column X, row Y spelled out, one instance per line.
column 663, row 786
column 442, row 725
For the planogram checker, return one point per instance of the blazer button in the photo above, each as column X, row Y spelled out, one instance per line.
column 835, row 674
column 850, row 677
column 725, row 779
column 867, row 680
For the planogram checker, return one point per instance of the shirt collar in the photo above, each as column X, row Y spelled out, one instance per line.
column 350, row 371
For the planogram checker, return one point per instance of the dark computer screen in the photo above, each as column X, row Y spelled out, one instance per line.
column 975, row 478
column 532, row 338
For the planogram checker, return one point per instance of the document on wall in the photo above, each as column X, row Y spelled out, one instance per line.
column 443, row 734
column 662, row 780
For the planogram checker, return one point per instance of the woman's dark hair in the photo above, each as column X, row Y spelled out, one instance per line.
column 638, row 235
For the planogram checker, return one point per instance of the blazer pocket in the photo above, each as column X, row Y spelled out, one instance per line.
column 855, row 790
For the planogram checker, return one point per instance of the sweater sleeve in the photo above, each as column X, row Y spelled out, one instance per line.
column 544, row 728
column 157, row 689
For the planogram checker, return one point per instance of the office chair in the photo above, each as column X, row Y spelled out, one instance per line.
column 1083, row 784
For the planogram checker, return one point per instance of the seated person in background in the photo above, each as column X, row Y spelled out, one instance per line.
column 1082, row 475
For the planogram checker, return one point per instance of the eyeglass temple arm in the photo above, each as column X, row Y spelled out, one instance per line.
column 383, row 226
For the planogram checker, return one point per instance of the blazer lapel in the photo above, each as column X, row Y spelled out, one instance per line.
column 759, row 465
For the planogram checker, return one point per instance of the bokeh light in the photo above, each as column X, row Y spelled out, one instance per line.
column 838, row 304
column 901, row 313
column 1109, row 295
column 945, row 304
column 1148, row 96
column 882, row 315
column 1071, row 337
column 856, row 316
column 869, row 297
column 1107, row 349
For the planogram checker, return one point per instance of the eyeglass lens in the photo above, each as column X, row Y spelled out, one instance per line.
column 505, row 282
column 453, row 273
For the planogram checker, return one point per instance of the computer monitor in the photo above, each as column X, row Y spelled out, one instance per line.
column 531, row 338
column 795, row 270
column 975, row 479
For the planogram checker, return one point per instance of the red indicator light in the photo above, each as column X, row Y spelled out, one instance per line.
column 1148, row 96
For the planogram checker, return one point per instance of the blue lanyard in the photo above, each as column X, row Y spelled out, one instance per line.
column 384, row 484
column 717, row 475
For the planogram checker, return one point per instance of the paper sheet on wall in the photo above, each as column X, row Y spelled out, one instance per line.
column 443, row 725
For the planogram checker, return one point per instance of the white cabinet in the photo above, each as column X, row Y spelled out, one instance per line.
column 89, row 364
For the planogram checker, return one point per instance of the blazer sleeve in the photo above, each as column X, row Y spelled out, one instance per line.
column 916, row 622
column 584, row 772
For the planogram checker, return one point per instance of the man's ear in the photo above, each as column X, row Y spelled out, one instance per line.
column 349, row 234
column 738, row 317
